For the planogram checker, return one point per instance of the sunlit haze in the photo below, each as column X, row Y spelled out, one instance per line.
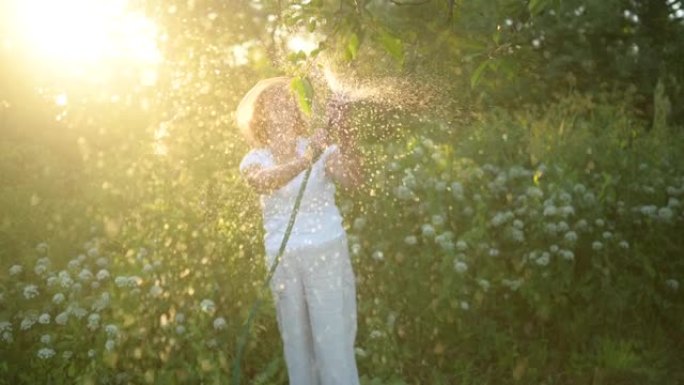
column 83, row 33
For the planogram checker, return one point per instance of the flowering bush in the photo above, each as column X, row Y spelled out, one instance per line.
column 539, row 247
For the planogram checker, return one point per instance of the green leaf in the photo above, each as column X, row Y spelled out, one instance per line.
column 475, row 78
column 537, row 6
column 352, row 47
column 304, row 92
column 392, row 44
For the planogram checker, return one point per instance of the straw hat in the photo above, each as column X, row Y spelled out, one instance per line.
column 244, row 114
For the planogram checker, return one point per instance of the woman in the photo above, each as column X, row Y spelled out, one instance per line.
column 314, row 284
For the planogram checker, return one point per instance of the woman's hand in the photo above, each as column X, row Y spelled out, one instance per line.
column 317, row 143
column 336, row 111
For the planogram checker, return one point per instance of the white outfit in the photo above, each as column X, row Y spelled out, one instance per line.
column 314, row 284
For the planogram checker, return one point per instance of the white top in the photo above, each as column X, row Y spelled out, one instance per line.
column 318, row 219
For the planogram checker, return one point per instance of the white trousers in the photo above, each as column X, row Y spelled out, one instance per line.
column 314, row 291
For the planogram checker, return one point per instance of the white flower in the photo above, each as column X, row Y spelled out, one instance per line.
column 78, row 312
column 30, row 291
column 156, row 291
column 110, row 345
column 378, row 255
column 45, row 338
column 45, row 353
column 518, row 224
column 40, row 269
column 74, row 264
column 93, row 252
column 180, row 318
column 44, row 318
column 570, row 236
column 42, row 248
column 579, row 188
column 356, row 248
column 607, row 235
column 534, row 192
column 360, row 352
column 565, row 197
column 219, row 323
column 550, row 211
column 43, row 261
column 94, row 285
column 437, row 220
column 411, row 240
column 428, row 230
column 551, row 228
column 85, row 275
column 518, row 235
column 493, row 252
column 673, row 284
column 464, row 305
column 589, row 197
column 111, row 330
column 102, row 262
column 567, row 210
column 567, row 255
column 544, row 259
column 457, row 190
column 65, row 279
column 600, row 222
column 134, row 281
column 513, row 284
column 375, row 334
column 403, row 192
column 15, row 269
column 76, row 287
column 665, row 213
column 581, row 224
column 562, row 226
column 102, row 275
column 484, row 284
column 101, row 303
column 460, row 266
column 180, row 329
column 62, row 318
column 461, row 245
column 499, row 219
column 7, row 337
column 440, row 186
column 121, row 281
column 596, row 245
column 91, row 353
column 93, row 321
column 359, row 223
column 52, row 281
column 147, row 268
column 207, row 306
column 623, row 244
column 554, row 248
column 673, row 202
column 649, row 210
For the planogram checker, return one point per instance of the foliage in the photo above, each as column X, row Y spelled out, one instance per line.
column 511, row 263
column 531, row 242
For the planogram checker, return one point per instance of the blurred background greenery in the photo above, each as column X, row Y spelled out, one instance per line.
column 521, row 222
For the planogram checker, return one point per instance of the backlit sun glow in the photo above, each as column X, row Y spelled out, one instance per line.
column 85, row 32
